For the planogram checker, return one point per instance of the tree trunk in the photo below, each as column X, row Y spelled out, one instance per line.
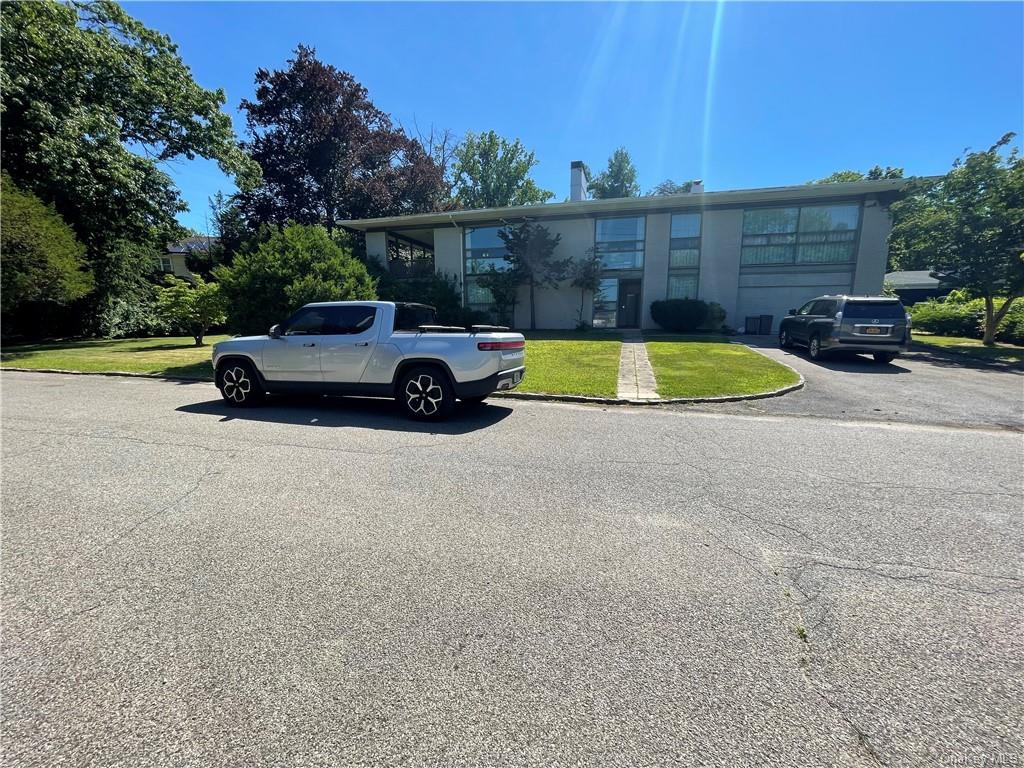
column 583, row 301
column 993, row 318
column 198, row 336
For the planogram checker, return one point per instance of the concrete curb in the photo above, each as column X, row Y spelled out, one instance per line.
column 119, row 374
column 539, row 396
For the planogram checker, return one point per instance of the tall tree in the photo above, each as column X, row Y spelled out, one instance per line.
column 618, row 179
column 327, row 153
column 489, row 171
column 968, row 227
column 40, row 259
column 669, row 187
column 874, row 174
column 93, row 103
column 530, row 250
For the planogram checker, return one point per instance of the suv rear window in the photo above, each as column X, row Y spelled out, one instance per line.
column 883, row 310
column 411, row 317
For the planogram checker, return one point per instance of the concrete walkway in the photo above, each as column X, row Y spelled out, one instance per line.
column 636, row 377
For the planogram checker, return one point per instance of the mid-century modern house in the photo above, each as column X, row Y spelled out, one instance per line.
column 753, row 251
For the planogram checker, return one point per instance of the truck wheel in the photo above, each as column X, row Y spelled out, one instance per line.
column 814, row 348
column 238, row 384
column 425, row 394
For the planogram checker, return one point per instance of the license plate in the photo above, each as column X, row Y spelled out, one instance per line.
column 872, row 329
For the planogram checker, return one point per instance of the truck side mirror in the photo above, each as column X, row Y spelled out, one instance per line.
column 275, row 331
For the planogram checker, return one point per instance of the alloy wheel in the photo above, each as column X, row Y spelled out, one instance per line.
column 236, row 384
column 423, row 395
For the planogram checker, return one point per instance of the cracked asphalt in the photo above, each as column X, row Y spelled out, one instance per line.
column 322, row 583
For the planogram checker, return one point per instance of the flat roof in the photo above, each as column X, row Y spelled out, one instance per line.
column 626, row 205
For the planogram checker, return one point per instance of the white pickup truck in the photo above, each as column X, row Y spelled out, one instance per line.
column 372, row 348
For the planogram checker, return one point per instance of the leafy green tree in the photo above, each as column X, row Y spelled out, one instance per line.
column 669, row 187
column 504, row 288
column 968, row 227
column 291, row 267
column 618, row 179
column 530, row 250
column 874, row 174
column 491, row 172
column 585, row 274
column 327, row 153
column 93, row 103
column 40, row 259
column 192, row 307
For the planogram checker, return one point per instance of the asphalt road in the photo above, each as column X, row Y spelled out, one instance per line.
column 919, row 387
column 327, row 584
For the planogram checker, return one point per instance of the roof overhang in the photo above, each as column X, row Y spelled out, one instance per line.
column 637, row 205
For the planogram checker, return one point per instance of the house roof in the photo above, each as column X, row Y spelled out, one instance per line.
column 637, row 205
column 917, row 278
column 192, row 244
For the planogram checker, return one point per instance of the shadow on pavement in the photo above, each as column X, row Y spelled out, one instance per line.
column 361, row 412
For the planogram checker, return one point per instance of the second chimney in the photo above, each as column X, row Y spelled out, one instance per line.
column 577, row 182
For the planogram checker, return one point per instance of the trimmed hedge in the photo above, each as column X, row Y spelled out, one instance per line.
column 967, row 318
column 686, row 315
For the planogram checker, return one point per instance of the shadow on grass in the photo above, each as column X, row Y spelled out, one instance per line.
column 360, row 412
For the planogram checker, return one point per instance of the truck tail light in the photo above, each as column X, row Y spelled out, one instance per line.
column 489, row 346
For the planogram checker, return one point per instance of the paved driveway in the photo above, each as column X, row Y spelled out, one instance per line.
column 919, row 388
column 530, row 584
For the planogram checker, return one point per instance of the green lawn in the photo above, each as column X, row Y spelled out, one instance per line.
column 576, row 364
column 167, row 356
column 572, row 364
column 1004, row 353
column 709, row 368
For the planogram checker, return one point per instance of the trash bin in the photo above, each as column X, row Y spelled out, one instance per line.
column 753, row 325
column 766, row 325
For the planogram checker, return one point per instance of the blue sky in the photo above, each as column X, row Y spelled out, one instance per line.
column 741, row 95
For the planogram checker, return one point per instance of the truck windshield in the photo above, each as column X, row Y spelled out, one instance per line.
column 883, row 310
column 409, row 317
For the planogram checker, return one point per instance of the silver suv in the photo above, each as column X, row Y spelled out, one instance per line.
column 878, row 325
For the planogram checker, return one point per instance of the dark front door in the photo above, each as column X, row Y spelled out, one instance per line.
column 629, row 304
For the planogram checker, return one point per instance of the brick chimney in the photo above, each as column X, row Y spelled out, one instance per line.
column 577, row 182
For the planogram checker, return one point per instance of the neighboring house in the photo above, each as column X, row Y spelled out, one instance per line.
column 916, row 285
column 174, row 260
column 755, row 251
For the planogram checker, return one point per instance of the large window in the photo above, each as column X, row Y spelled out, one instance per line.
column 484, row 249
column 819, row 234
column 407, row 258
column 620, row 243
column 684, row 256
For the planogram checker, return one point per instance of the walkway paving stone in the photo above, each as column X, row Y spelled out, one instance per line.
column 636, row 377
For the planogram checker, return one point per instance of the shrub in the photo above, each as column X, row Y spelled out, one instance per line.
column 686, row 315
column 960, row 316
column 947, row 318
column 293, row 266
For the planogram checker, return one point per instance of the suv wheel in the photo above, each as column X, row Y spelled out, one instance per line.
column 883, row 357
column 785, row 341
column 814, row 348
column 425, row 394
column 238, row 384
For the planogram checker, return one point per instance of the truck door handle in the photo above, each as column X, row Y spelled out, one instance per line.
column 362, row 343
column 309, row 344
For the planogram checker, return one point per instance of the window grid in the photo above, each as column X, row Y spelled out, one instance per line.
column 483, row 248
column 807, row 235
column 619, row 242
column 684, row 256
